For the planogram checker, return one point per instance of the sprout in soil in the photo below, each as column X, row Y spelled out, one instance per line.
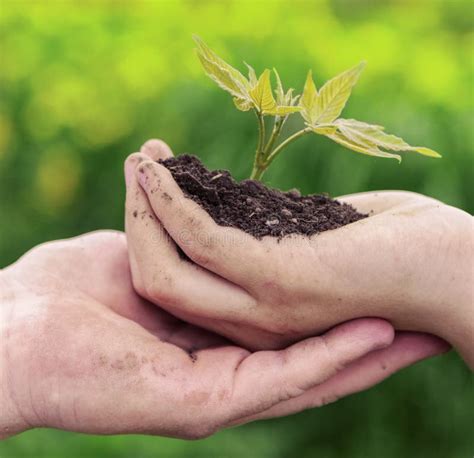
column 320, row 111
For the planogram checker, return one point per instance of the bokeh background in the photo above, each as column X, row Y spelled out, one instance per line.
column 83, row 84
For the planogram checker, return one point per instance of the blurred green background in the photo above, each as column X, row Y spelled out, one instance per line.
column 83, row 84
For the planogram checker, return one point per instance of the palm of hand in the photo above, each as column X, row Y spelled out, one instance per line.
column 93, row 334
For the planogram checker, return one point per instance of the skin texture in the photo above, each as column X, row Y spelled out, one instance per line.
column 409, row 263
column 81, row 351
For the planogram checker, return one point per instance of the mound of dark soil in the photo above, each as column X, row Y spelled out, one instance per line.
column 253, row 207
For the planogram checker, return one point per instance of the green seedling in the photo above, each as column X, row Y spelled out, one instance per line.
column 320, row 111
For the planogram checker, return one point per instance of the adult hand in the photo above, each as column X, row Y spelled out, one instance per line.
column 81, row 351
column 410, row 262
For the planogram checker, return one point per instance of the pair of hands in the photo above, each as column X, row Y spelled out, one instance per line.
column 81, row 351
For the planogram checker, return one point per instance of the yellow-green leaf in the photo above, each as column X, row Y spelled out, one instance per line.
column 325, row 130
column 308, row 99
column 334, row 94
column 283, row 110
column 361, row 124
column 226, row 76
column 369, row 149
column 252, row 75
column 261, row 94
column 280, row 93
column 361, row 133
column 285, row 100
column 425, row 151
column 242, row 104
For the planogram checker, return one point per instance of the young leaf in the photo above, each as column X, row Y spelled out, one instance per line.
column 283, row 110
column 252, row 75
column 425, row 151
column 361, row 133
column 308, row 99
column 226, row 76
column 262, row 95
column 286, row 102
column 242, row 104
column 367, row 148
column 334, row 94
column 325, row 130
column 280, row 93
column 361, row 124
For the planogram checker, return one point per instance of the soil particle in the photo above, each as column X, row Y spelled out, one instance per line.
column 192, row 356
column 253, row 207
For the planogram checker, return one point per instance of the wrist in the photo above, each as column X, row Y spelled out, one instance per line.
column 444, row 301
column 455, row 322
column 12, row 420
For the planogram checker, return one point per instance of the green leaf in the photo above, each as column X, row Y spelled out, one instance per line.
column 308, row 99
column 362, row 133
column 226, row 76
column 334, row 94
column 261, row 94
column 369, row 149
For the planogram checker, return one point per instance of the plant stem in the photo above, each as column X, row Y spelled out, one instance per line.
column 260, row 146
column 284, row 144
column 257, row 172
column 264, row 158
column 261, row 132
column 274, row 136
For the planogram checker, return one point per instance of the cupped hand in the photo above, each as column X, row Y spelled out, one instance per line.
column 258, row 293
column 410, row 262
column 81, row 351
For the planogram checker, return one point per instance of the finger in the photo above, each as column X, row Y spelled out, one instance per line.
column 130, row 166
column 156, row 149
column 406, row 349
column 380, row 201
column 159, row 273
column 265, row 379
column 227, row 251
